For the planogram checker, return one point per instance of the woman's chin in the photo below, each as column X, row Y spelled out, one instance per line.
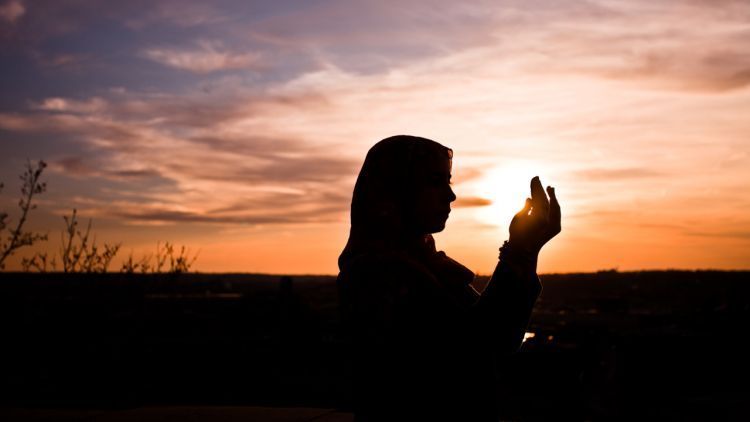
column 438, row 226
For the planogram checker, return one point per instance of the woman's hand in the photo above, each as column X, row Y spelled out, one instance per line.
column 537, row 222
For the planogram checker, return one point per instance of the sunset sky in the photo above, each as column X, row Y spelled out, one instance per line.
column 238, row 128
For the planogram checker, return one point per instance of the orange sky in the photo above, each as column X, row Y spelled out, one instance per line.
column 242, row 134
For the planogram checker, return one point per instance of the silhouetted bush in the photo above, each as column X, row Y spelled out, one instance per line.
column 165, row 255
column 17, row 237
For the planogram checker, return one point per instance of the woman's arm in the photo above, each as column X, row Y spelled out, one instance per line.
column 504, row 309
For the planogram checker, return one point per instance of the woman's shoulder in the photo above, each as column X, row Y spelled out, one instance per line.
column 387, row 261
column 386, row 267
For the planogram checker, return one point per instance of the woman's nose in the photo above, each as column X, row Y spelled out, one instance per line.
column 452, row 195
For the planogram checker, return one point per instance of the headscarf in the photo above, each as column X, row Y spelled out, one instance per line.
column 382, row 199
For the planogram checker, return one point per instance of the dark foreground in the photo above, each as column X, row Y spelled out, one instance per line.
column 176, row 413
column 605, row 346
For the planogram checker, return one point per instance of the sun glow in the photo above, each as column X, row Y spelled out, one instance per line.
column 507, row 186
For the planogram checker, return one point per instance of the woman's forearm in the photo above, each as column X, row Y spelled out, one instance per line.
column 504, row 308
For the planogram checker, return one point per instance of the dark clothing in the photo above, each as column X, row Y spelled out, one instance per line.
column 424, row 341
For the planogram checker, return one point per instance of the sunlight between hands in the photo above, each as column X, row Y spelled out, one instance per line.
column 538, row 221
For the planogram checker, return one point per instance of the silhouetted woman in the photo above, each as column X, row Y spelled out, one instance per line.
column 425, row 342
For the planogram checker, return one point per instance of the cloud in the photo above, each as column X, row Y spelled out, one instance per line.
column 679, row 47
column 260, row 207
column 15, row 122
column 471, row 201
column 209, row 56
column 91, row 105
column 682, row 48
column 53, row 19
column 61, row 61
column 11, row 11
column 287, row 215
column 730, row 234
column 87, row 167
column 179, row 13
column 712, row 68
column 618, row 173
column 208, row 173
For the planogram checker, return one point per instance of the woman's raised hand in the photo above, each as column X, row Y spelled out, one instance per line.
column 537, row 222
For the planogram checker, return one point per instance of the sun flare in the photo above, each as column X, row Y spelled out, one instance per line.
column 507, row 186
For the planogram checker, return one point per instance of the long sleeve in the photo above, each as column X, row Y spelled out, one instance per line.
column 417, row 339
column 504, row 308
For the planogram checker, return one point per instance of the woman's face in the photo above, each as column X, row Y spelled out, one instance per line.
column 431, row 202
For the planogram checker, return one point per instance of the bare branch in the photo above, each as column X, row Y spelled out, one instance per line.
column 17, row 237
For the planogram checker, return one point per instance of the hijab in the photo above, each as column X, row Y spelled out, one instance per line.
column 381, row 203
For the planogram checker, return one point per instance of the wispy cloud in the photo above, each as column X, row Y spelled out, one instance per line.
column 205, row 57
column 91, row 105
column 180, row 13
column 743, row 234
column 86, row 166
column 11, row 11
column 618, row 173
column 280, row 179
column 471, row 201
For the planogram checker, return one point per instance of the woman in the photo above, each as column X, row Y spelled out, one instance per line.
column 424, row 342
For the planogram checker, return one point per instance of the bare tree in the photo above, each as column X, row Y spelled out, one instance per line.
column 167, row 258
column 16, row 237
column 80, row 254
column 40, row 262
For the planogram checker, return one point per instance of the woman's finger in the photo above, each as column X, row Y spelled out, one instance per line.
column 554, row 211
column 539, row 199
column 526, row 208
